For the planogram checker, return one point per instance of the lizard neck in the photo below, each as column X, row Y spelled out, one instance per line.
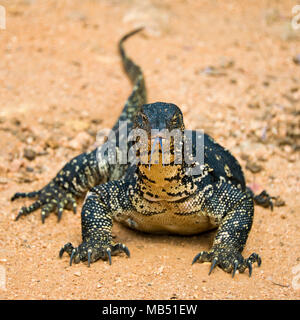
column 164, row 182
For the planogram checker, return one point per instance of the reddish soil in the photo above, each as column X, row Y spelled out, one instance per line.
column 228, row 65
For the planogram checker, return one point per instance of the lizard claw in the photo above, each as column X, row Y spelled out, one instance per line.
column 108, row 252
column 227, row 258
column 72, row 256
column 213, row 264
column 235, row 267
column 92, row 250
column 89, row 257
column 249, row 264
column 51, row 198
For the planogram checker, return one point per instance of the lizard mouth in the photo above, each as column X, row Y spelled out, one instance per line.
column 153, row 144
column 158, row 138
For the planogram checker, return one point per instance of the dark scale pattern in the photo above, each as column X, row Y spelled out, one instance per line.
column 235, row 209
column 71, row 182
column 154, row 197
column 101, row 203
column 138, row 95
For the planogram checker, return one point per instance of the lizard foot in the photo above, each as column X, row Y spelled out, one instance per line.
column 92, row 250
column 227, row 258
column 51, row 198
column 264, row 199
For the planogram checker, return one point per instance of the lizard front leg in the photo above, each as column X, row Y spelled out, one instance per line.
column 101, row 203
column 72, row 182
column 234, row 211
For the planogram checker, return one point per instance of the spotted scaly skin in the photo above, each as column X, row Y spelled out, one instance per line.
column 157, row 197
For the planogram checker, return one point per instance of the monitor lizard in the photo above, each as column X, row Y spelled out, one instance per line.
column 154, row 197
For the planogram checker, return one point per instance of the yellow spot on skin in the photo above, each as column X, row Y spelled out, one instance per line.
column 218, row 157
column 227, row 171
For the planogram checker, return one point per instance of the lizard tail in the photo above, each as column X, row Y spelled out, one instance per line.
column 138, row 95
column 133, row 70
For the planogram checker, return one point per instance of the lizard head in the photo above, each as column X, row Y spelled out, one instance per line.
column 159, row 116
column 161, row 122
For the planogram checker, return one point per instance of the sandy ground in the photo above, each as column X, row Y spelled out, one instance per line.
column 232, row 68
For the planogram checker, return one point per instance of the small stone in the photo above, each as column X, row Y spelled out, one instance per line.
column 296, row 59
column 212, row 71
column 279, row 203
column 254, row 105
column 3, row 168
column 245, row 156
column 3, row 180
column 253, row 167
column 76, row 63
column 77, row 273
column 29, row 154
column 292, row 158
column 77, row 125
column 52, row 142
column 294, row 89
column 96, row 121
column 15, row 121
column 81, row 141
column 226, row 62
column 16, row 164
column 266, row 83
column 29, row 140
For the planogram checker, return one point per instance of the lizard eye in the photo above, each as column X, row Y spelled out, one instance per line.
column 143, row 117
column 141, row 120
column 174, row 122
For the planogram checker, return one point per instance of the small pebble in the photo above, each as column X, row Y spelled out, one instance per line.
column 80, row 141
column 3, row 180
column 296, row 59
column 52, row 142
column 279, row 203
column 29, row 154
column 253, row 167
